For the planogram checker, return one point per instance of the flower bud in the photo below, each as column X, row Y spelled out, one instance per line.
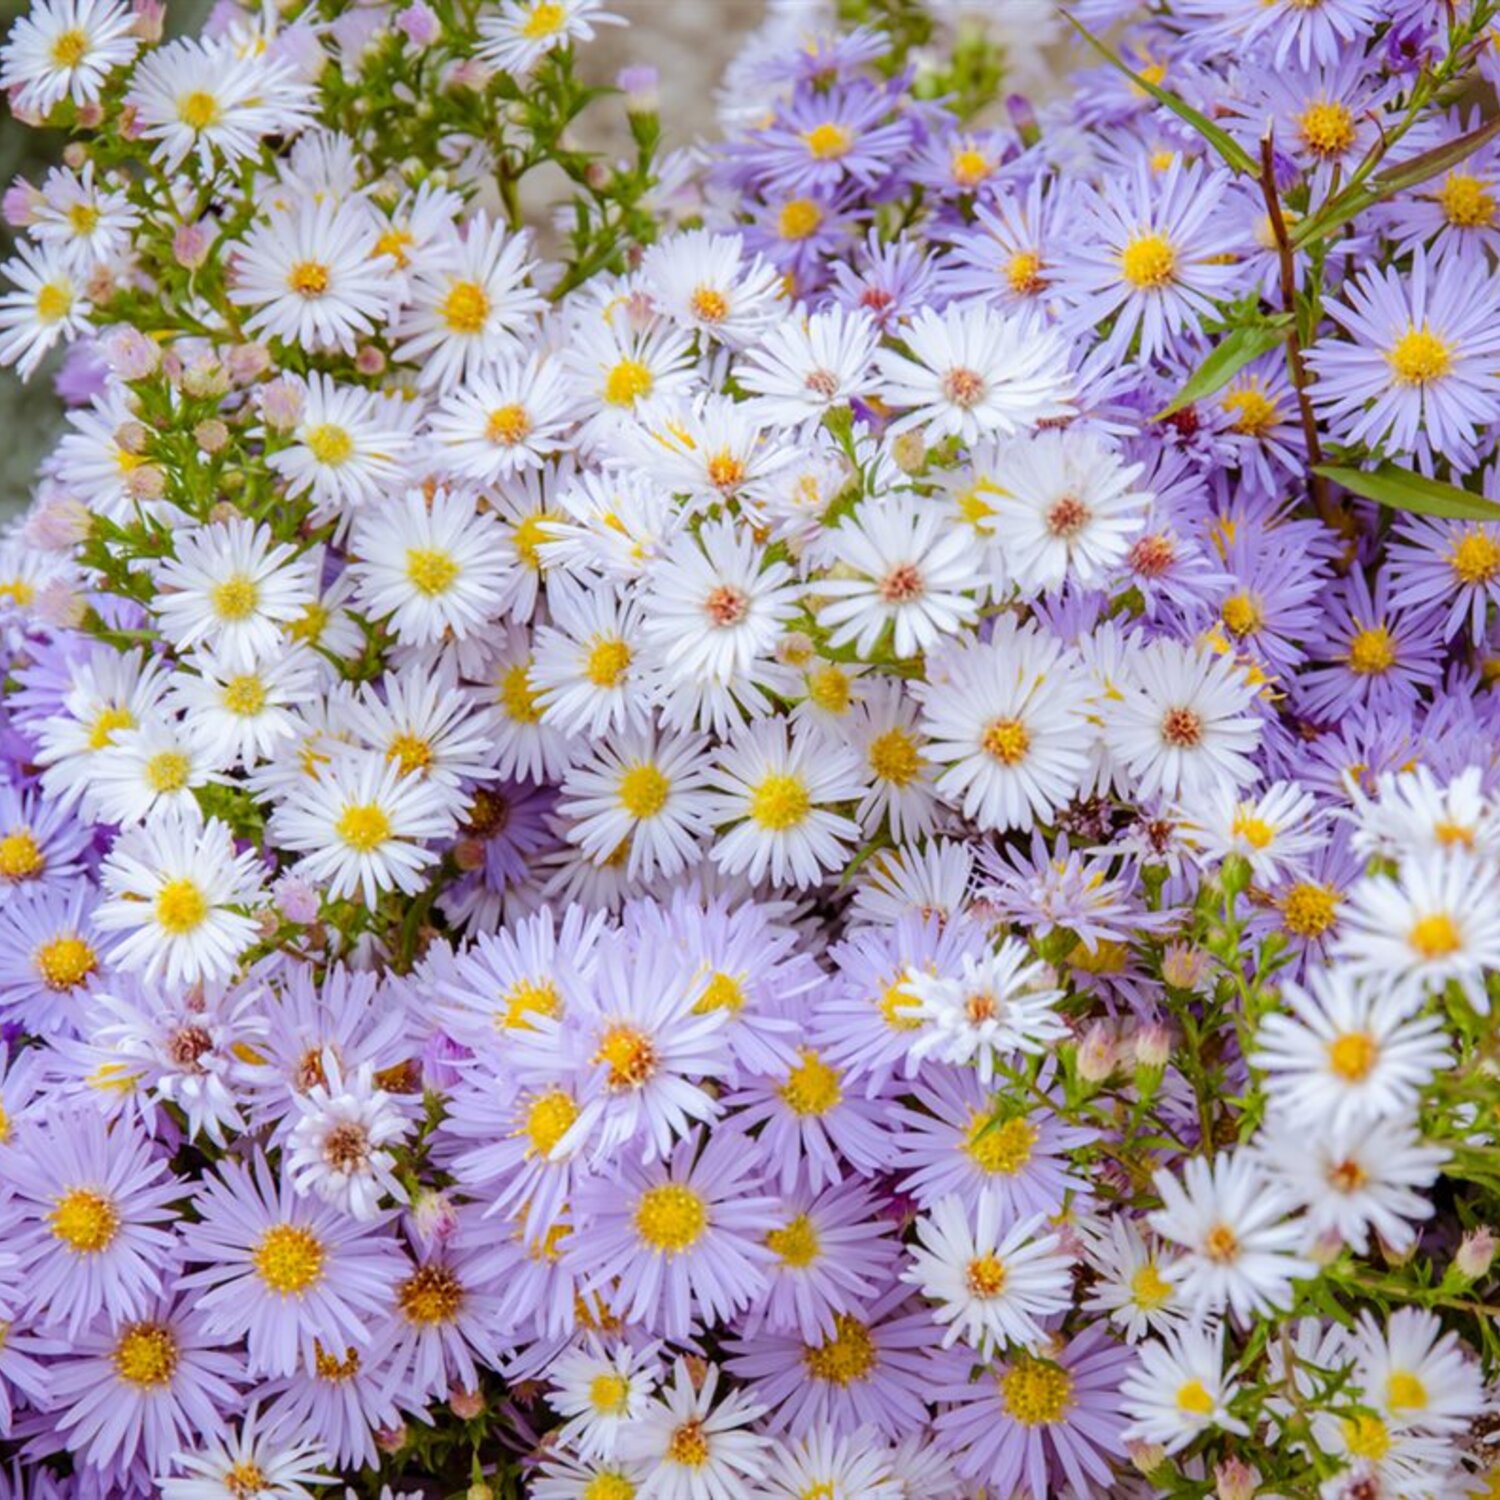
column 369, row 361
column 639, row 85
column 146, row 483
column 296, row 900
column 1184, row 967
column 75, row 155
column 130, row 353
column 465, row 1405
column 1098, row 1053
column 246, row 363
column 434, row 1216
column 391, row 1439
column 418, row 24
column 20, row 204
column 211, row 435
column 281, row 405
column 191, row 244
column 90, row 115
column 910, row 451
column 60, row 606
column 56, row 523
column 1475, row 1253
column 150, row 20
column 1147, row 1457
column 1234, row 1479
column 1152, row 1045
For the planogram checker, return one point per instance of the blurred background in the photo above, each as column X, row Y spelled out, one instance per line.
column 687, row 41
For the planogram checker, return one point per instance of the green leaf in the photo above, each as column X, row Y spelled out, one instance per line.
column 1399, row 488
column 1225, row 144
column 1226, row 359
column 1397, row 179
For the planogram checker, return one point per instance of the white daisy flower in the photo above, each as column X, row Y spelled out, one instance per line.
column 1352, row 1179
column 777, row 790
column 1417, row 1376
column 89, row 223
column 974, row 370
column 469, row 303
column 641, row 790
column 509, row 418
column 339, row 1148
column 587, row 673
column 47, row 303
column 1178, row 1388
column 991, row 1285
column 1130, row 1289
column 1007, row 718
column 828, row 1463
column 427, row 725
column 430, row 566
column 1348, row 1052
column 1275, row 830
column 617, row 367
column 312, row 275
column 1436, row 922
column 65, row 49
column 1411, row 812
column 279, row 1468
column 1239, row 1247
column 703, row 281
column 805, row 366
column 1067, row 510
column 1000, row 1004
column 903, row 563
column 696, row 1450
column 713, row 611
column 709, row 451
column 171, row 886
column 364, row 827
column 600, row 1392
column 231, row 588
column 1184, row 721
column 244, row 716
column 931, row 880
column 90, row 462
column 527, row 508
column 350, row 448
column 524, row 31
column 146, row 770
column 882, row 729
column 525, row 745
column 196, row 96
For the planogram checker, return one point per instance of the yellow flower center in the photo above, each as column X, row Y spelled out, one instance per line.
column 308, row 278
column 607, row 661
column 245, row 695
column 1475, row 559
column 545, row 20
column 970, row 167
column 65, row 962
column 1326, row 128
column 508, row 425
column 1367, row 1438
column 846, row 1357
column 630, row 1055
column 106, row 723
column 363, row 826
column 245, row 1480
column 688, row 1446
column 431, row 1295
column 812, row 1087
column 1148, row 262
column 722, row 992
column 644, row 791
column 531, row 531
column 1467, row 202
column 329, row 444
column 1434, row 937
column 1372, row 651
column 610, row 1394
column 828, row 688
column 1148, row 1289
column 395, row 242
column 466, row 307
column 85, row 1221
column 985, row 1276
column 83, row 219
column 1023, row 273
column 430, row 570
column 168, row 771
column 1194, row 1398
column 1352, row 1055
column 709, row 305
column 608, row 1486
column 412, row 753
column 548, row 1119
column 180, row 907
column 1034, row 1393
column 70, row 47
column 798, row 218
column 198, row 110
column 289, row 1259
column 627, row 382
column 1309, row 910
column 1405, row 1392
column 1004, row 1148
column 21, row 857
column 516, row 695
column 827, row 142
column 1254, row 831
column 780, row 802
column 1006, row 740
column 671, row 1218
column 894, row 757
column 234, row 598
column 146, row 1355
column 895, row 1005
column 1419, row 357
column 54, row 300
column 1241, row 615
column 529, row 997
column 1221, row 1245
column 1253, row 413
column 796, row 1243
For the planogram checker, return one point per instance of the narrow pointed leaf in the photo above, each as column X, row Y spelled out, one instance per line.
column 1227, row 358
column 1400, row 489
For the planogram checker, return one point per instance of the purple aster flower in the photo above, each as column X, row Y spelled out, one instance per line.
column 891, row 282
column 684, row 1239
column 1375, row 656
column 1272, row 32
column 876, row 1369
column 284, row 1272
column 338, row 1400
column 1254, row 417
column 823, row 57
column 506, row 827
column 142, row 1389
column 1270, row 606
column 41, row 843
column 800, row 233
column 833, row 1253
column 1458, row 211
column 1361, row 746
column 1010, row 254
column 1304, row 908
column 94, row 1234
column 1042, row 1423
column 1450, row 564
column 1152, row 257
column 952, row 1146
column 957, row 163
column 50, row 956
column 1420, row 369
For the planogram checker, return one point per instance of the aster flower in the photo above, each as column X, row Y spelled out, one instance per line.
column 50, row 956
column 65, row 49
column 803, row 368
column 40, row 843
column 284, row 1272
column 524, row 31
column 857, row 1464
column 705, row 283
column 1416, row 1375
column 339, row 1147
column 274, row 1463
column 1130, row 1289
column 1178, row 1388
column 586, row 675
column 601, row 1391
column 45, row 303
column 504, row 420
column 1451, row 564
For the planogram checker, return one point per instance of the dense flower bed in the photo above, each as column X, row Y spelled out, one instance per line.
column 825, row 827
